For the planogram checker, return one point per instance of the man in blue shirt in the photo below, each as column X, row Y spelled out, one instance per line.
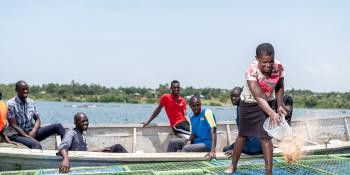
column 25, row 122
column 203, row 131
column 288, row 102
column 252, row 144
column 74, row 140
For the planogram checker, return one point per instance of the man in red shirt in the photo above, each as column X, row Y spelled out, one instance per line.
column 175, row 108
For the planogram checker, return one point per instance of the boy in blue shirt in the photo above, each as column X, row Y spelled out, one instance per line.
column 203, row 131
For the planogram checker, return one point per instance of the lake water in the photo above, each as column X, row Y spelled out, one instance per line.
column 108, row 113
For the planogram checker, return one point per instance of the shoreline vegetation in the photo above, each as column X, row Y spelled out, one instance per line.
column 75, row 92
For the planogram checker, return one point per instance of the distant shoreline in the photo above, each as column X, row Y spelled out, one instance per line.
column 95, row 93
column 204, row 104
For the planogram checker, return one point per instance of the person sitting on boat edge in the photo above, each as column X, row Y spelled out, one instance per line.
column 203, row 131
column 288, row 103
column 3, row 122
column 175, row 108
column 252, row 144
column 25, row 122
column 74, row 140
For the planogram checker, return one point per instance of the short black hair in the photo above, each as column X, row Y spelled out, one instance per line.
column 265, row 49
column 288, row 100
column 20, row 83
column 237, row 88
column 173, row 82
column 195, row 97
column 78, row 114
column 0, row 95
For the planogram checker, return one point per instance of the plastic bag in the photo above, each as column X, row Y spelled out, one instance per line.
column 280, row 132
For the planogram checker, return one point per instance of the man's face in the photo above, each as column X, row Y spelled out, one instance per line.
column 22, row 90
column 175, row 88
column 82, row 123
column 235, row 97
column 289, row 109
column 196, row 106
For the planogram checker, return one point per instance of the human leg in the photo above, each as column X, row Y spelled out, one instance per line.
column 267, row 151
column 236, row 153
column 199, row 147
column 45, row 132
column 27, row 141
column 118, row 148
column 176, row 144
column 182, row 127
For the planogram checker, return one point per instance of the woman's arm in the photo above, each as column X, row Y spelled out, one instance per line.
column 261, row 98
column 281, row 108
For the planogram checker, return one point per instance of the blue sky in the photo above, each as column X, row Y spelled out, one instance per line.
column 200, row 43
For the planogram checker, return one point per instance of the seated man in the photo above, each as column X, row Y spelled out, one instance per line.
column 74, row 140
column 3, row 122
column 25, row 122
column 252, row 145
column 175, row 108
column 203, row 131
column 288, row 102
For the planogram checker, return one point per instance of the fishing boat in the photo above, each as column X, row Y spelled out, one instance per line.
column 330, row 135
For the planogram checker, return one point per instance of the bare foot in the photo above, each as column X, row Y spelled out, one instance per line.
column 229, row 170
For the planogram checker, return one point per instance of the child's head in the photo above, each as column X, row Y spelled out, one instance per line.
column 196, row 104
column 265, row 54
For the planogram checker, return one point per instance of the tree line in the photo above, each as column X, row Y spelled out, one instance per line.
column 76, row 92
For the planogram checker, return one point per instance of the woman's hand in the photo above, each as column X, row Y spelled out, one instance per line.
column 275, row 119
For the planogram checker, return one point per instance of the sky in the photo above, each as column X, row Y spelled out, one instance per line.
column 147, row 43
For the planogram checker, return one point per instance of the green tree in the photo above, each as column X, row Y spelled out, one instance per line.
column 310, row 102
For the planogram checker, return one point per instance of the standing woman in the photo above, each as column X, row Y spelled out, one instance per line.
column 263, row 89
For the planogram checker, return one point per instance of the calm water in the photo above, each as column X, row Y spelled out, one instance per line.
column 102, row 113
